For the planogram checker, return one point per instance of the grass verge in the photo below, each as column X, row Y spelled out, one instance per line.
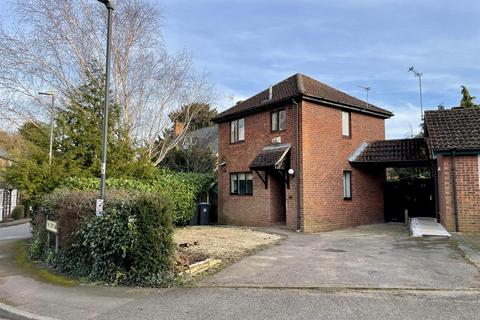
column 36, row 270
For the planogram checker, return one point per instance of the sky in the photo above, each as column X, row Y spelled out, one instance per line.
column 245, row 46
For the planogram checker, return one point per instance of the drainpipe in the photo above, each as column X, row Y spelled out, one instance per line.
column 454, row 186
column 297, row 165
column 435, row 185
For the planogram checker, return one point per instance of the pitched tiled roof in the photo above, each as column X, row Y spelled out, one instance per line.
column 295, row 86
column 401, row 151
column 271, row 156
column 458, row 128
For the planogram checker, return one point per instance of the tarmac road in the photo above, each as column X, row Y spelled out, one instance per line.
column 21, row 231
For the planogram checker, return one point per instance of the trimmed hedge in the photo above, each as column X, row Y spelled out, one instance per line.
column 18, row 212
column 130, row 244
column 180, row 189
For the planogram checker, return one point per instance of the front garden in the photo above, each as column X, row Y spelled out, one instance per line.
column 140, row 239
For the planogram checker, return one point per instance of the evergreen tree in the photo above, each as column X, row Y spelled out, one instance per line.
column 467, row 99
column 77, row 145
column 204, row 113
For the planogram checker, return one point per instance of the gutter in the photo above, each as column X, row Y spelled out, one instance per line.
column 465, row 152
column 454, row 186
column 348, row 107
column 297, row 165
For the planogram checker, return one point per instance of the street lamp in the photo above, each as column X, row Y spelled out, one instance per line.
column 52, row 111
column 419, row 76
column 103, row 170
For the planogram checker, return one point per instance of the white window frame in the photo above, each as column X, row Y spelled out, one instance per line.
column 237, row 130
column 240, row 177
column 346, row 124
column 276, row 123
column 347, row 185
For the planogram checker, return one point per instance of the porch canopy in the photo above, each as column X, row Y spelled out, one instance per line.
column 272, row 159
column 392, row 153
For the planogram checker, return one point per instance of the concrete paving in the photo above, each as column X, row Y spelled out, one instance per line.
column 427, row 227
column 375, row 256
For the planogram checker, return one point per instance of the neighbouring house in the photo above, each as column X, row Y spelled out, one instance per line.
column 204, row 137
column 454, row 139
column 284, row 158
column 9, row 197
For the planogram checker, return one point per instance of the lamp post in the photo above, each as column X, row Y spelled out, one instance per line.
column 419, row 76
column 103, row 170
column 52, row 111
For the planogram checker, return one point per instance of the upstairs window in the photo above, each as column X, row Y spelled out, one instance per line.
column 278, row 120
column 241, row 183
column 347, row 185
column 346, row 124
column 237, row 130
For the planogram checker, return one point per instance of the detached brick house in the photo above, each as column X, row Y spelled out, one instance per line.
column 284, row 158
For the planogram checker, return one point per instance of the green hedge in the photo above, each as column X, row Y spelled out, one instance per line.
column 181, row 189
column 18, row 212
column 131, row 244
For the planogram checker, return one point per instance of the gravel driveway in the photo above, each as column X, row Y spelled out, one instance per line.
column 375, row 256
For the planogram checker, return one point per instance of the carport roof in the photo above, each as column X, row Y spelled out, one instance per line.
column 392, row 153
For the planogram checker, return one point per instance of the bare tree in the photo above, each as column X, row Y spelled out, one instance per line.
column 54, row 43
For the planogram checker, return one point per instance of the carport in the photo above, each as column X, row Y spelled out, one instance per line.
column 413, row 197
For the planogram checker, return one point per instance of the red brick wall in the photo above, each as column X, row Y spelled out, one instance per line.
column 325, row 157
column 262, row 208
column 468, row 192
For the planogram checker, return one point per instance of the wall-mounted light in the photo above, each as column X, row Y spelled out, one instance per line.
column 291, row 172
column 223, row 165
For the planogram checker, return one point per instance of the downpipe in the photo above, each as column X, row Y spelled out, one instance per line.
column 297, row 165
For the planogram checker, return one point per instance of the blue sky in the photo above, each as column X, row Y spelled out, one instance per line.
column 247, row 45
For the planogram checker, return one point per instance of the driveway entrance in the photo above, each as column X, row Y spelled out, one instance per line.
column 375, row 256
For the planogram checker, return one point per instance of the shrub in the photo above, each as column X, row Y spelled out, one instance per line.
column 68, row 208
column 18, row 212
column 180, row 189
column 130, row 244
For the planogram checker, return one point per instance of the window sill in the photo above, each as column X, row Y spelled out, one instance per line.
column 238, row 142
column 241, row 195
column 347, row 199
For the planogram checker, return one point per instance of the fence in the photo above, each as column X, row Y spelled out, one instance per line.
column 8, row 202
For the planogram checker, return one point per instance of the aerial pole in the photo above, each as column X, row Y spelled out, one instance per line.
column 419, row 75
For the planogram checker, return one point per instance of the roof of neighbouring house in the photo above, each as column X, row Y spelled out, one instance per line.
column 400, row 152
column 205, row 137
column 457, row 128
column 301, row 85
column 271, row 156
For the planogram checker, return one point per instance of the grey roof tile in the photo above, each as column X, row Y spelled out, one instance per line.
column 457, row 128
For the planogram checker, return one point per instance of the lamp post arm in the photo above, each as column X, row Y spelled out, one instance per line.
column 108, row 4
